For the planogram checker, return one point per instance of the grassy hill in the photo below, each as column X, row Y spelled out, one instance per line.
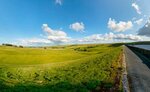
column 73, row 68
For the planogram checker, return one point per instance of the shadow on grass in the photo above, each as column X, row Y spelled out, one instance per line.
column 91, row 86
column 59, row 87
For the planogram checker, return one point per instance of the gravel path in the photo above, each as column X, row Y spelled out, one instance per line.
column 138, row 72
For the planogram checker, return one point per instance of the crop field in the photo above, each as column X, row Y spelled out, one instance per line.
column 72, row 68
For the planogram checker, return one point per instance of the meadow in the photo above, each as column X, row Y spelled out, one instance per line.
column 70, row 68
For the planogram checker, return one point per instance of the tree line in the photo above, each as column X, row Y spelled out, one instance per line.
column 7, row 44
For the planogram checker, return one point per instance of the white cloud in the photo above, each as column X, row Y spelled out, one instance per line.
column 119, row 27
column 128, row 37
column 139, row 21
column 52, row 37
column 146, row 25
column 95, row 38
column 55, row 36
column 50, row 31
column 136, row 7
column 109, row 37
column 77, row 26
column 58, row 2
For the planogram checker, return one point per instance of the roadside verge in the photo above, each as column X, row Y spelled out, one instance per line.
column 125, row 82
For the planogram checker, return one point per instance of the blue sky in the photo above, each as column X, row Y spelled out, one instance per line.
column 34, row 22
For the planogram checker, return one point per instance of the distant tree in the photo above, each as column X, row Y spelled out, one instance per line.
column 20, row 46
column 7, row 44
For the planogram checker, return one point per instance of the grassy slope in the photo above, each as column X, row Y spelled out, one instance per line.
column 29, row 56
column 78, row 68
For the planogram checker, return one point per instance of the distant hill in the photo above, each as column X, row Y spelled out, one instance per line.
column 11, row 45
column 139, row 43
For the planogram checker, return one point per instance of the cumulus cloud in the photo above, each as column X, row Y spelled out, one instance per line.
column 95, row 38
column 56, row 36
column 119, row 27
column 136, row 7
column 51, row 37
column 77, row 26
column 128, row 37
column 139, row 21
column 110, row 37
column 58, row 2
column 145, row 30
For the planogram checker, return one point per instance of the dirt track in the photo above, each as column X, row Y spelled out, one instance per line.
column 138, row 72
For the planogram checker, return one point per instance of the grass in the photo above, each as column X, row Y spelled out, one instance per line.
column 73, row 68
column 31, row 56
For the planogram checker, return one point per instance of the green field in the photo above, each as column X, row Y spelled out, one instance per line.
column 72, row 68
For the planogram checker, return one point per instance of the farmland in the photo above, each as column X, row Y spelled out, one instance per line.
column 72, row 68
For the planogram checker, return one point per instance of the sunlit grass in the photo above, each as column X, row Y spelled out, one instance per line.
column 58, row 69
